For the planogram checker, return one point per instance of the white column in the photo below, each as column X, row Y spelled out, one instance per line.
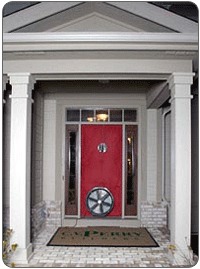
column 179, row 84
column 20, row 164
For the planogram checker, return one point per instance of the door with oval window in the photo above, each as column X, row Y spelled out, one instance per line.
column 101, row 170
column 98, row 181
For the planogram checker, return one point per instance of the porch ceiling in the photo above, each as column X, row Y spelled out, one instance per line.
column 96, row 86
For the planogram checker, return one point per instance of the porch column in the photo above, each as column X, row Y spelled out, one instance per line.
column 179, row 84
column 20, row 164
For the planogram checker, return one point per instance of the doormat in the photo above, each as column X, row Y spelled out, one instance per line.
column 102, row 236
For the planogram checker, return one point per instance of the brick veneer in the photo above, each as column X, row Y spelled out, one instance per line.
column 46, row 213
column 153, row 214
column 49, row 214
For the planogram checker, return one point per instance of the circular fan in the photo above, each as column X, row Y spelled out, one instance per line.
column 99, row 201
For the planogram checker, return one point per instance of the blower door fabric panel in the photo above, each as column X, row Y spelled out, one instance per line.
column 100, row 169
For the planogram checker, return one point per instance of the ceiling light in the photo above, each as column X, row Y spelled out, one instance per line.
column 102, row 117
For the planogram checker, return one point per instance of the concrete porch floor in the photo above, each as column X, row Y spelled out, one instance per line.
column 48, row 256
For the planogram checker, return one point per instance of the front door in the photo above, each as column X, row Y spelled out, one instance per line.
column 101, row 165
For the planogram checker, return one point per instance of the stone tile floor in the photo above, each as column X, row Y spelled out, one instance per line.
column 48, row 256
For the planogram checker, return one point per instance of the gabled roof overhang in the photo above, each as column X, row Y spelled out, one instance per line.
column 102, row 51
column 144, row 10
column 102, row 41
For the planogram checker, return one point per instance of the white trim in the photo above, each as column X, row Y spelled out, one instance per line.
column 79, row 169
column 63, row 183
column 99, row 37
column 119, row 76
column 163, row 155
column 123, row 124
column 139, row 181
column 158, row 15
column 34, row 13
column 95, row 108
column 23, row 256
column 30, row 44
column 123, row 167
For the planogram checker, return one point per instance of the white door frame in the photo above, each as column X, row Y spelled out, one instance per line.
column 124, row 220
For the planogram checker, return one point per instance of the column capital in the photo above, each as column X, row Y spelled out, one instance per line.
column 180, row 85
column 22, row 85
column 21, row 78
column 180, row 78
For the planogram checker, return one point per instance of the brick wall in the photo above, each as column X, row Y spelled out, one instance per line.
column 49, row 213
column 153, row 214
column 38, row 218
column 46, row 214
column 54, row 215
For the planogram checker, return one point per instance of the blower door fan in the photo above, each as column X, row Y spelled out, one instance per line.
column 99, row 201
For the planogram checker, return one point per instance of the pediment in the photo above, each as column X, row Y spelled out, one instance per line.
column 94, row 22
column 94, row 17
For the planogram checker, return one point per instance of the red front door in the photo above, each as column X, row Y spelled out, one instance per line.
column 101, row 169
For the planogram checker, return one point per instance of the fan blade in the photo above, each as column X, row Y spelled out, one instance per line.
column 105, row 196
column 93, row 207
column 101, row 208
column 92, row 199
column 105, row 203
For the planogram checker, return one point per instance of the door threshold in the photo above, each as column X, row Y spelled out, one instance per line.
column 84, row 222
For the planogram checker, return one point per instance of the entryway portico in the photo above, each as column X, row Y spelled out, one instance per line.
column 179, row 207
column 163, row 61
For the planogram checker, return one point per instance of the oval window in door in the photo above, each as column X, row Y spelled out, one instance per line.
column 102, row 147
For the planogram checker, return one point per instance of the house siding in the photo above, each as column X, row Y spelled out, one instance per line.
column 37, row 149
column 49, row 146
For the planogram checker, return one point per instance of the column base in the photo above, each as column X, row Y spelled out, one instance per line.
column 22, row 255
column 181, row 257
